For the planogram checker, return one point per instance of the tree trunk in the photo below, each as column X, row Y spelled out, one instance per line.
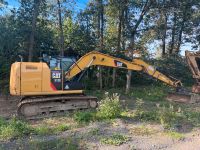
column 100, row 28
column 145, row 9
column 102, row 25
column 164, row 35
column 61, row 29
column 128, row 82
column 33, row 28
column 181, row 30
column 121, row 15
column 113, row 77
column 173, row 34
column 180, row 37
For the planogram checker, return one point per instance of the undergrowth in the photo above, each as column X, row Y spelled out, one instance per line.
column 58, row 144
column 115, row 139
column 13, row 129
column 108, row 108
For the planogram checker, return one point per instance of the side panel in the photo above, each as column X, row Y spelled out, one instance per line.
column 31, row 77
column 15, row 79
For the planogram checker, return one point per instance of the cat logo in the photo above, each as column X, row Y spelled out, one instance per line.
column 119, row 64
column 56, row 75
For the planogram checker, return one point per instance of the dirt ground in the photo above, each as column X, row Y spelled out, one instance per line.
column 155, row 140
column 154, row 137
column 8, row 106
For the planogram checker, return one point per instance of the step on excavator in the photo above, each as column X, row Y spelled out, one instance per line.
column 52, row 86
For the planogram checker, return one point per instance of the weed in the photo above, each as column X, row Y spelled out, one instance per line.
column 61, row 128
column 149, row 93
column 84, row 116
column 174, row 135
column 14, row 128
column 43, row 130
column 169, row 117
column 115, row 139
column 141, row 130
column 58, row 144
column 193, row 117
column 147, row 116
column 94, row 131
column 109, row 107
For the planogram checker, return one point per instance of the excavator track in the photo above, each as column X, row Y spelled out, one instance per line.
column 32, row 108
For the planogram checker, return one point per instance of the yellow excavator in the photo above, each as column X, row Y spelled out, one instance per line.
column 52, row 86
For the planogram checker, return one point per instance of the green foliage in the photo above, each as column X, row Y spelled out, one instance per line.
column 43, row 130
column 141, row 130
column 174, row 135
column 193, row 117
column 14, row 128
column 115, row 139
column 147, row 116
column 109, row 107
column 149, row 93
column 177, row 67
column 61, row 128
column 94, row 131
column 84, row 116
column 58, row 144
column 169, row 117
column 47, row 130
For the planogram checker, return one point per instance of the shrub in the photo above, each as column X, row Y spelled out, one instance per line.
column 109, row 107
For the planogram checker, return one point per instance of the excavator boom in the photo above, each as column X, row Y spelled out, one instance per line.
column 95, row 58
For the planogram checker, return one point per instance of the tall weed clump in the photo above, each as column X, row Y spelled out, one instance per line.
column 13, row 128
column 170, row 117
column 109, row 107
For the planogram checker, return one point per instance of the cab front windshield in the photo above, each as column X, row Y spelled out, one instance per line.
column 61, row 63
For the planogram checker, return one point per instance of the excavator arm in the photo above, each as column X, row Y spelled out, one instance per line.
column 95, row 58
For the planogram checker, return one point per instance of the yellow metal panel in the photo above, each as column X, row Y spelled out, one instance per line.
column 46, row 78
column 15, row 79
column 53, row 92
column 31, row 77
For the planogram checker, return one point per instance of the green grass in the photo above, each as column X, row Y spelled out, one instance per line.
column 94, row 132
column 47, row 130
column 174, row 135
column 115, row 139
column 58, row 144
column 141, row 130
column 13, row 128
column 84, row 116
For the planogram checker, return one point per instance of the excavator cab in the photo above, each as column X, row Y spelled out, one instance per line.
column 59, row 66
